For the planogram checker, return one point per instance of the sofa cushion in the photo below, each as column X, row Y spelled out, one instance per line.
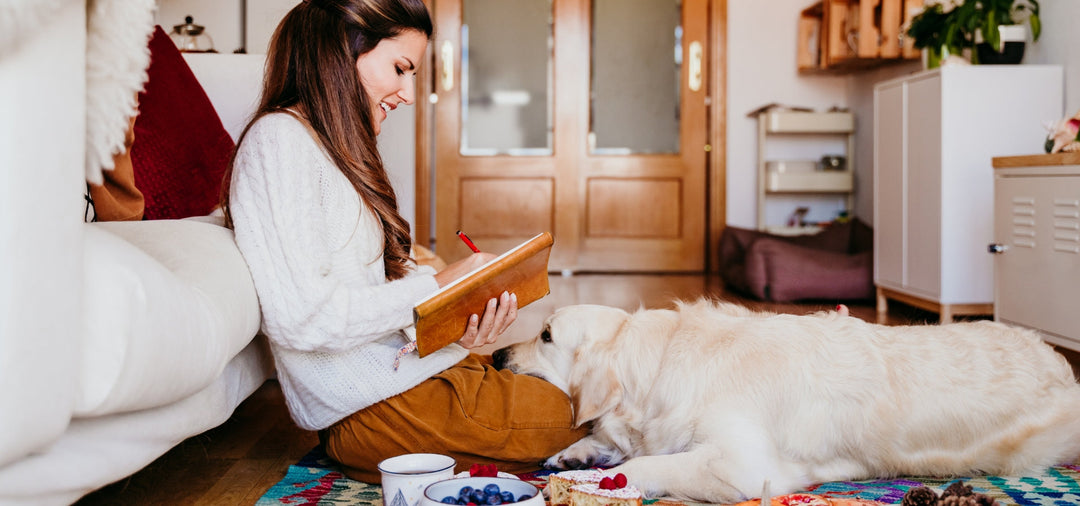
column 181, row 149
column 167, row 304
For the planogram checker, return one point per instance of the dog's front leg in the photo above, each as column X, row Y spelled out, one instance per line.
column 684, row 476
column 586, row 452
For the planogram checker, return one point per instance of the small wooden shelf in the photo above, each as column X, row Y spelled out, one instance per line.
column 818, row 181
column 1003, row 162
column 790, row 122
column 779, row 178
column 841, row 36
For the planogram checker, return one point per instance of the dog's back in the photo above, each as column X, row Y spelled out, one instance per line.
column 839, row 398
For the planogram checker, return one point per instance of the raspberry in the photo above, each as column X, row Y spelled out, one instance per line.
column 620, row 480
column 607, row 483
column 474, row 470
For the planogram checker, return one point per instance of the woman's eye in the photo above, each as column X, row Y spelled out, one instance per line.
column 400, row 71
column 545, row 336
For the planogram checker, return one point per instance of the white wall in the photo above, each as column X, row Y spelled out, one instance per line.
column 761, row 69
column 1060, row 44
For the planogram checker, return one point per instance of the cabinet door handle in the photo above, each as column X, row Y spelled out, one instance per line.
column 996, row 249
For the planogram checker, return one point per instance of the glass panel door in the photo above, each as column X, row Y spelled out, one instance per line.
column 636, row 60
column 506, row 77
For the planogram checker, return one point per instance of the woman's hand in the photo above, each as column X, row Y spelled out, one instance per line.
column 462, row 267
column 498, row 315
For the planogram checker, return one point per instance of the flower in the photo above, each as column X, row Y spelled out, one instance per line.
column 1064, row 135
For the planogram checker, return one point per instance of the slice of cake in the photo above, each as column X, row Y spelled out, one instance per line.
column 592, row 494
column 559, row 484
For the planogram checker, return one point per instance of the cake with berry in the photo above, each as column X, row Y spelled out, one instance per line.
column 559, row 484
column 610, row 491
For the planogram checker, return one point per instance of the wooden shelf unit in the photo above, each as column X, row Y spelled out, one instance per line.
column 808, row 182
column 840, row 36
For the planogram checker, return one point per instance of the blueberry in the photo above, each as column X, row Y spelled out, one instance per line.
column 478, row 497
column 449, row 500
column 462, row 501
column 507, row 496
column 492, row 489
column 524, row 498
column 465, row 492
column 494, row 499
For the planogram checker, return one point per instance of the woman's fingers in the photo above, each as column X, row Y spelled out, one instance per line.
column 498, row 315
column 510, row 305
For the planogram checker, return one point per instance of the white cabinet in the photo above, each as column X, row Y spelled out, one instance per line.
column 804, row 180
column 935, row 134
column 1037, row 241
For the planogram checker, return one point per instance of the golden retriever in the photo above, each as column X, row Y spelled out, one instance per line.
column 707, row 401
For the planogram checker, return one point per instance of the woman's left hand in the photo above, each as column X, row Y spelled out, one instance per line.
column 498, row 315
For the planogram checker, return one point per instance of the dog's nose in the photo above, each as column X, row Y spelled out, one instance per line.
column 500, row 357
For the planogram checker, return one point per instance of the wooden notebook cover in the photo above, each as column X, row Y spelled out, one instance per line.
column 442, row 318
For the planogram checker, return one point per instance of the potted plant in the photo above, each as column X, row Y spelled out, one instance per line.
column 953, row 27
column 1002, row 32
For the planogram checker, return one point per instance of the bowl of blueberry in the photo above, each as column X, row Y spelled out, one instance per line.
column 481, row 491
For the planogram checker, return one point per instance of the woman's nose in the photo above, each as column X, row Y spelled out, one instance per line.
column 407, row 93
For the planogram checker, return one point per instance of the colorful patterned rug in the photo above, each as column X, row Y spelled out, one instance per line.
column 315, row 481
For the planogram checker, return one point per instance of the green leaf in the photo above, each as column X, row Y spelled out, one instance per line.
column 1036, row 26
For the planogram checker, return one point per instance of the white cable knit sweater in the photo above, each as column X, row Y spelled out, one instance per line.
column 315, row 253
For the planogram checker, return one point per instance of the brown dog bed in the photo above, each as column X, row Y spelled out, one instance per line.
column 834, row 264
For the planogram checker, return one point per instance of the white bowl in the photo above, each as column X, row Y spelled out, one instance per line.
column 435, row 492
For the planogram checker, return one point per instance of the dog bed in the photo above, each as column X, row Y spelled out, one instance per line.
column 834, row 264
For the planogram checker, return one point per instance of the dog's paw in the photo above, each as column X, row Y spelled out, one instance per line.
column 583, row 454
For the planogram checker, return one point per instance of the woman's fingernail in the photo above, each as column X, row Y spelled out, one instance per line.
column 513, row 297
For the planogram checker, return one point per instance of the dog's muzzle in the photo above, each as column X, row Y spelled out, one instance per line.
column 500, row 358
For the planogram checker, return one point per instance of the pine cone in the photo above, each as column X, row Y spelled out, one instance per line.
column 919, row 496
column 957, row 500
column 957, row 488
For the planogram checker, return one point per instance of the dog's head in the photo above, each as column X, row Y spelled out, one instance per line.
column 569, row 353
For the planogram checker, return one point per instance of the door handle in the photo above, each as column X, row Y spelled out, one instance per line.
column 696, row 53
column 447, row 57
column 996, row 249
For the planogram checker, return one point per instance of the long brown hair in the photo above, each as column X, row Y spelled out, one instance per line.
column 311, row 69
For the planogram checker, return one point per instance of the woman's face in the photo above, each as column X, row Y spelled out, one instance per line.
column 388, row 72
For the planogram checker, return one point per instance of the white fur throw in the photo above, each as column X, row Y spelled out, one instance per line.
column 117, row 56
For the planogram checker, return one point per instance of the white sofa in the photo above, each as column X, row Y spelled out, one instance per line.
column 117, row 340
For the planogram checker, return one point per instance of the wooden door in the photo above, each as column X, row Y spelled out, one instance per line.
column 567, row 96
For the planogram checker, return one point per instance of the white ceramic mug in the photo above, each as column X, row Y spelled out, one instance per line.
column 405, row 477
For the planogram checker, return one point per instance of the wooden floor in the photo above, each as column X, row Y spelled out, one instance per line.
column 238, row 461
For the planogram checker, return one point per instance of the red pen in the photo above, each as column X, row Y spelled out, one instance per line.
column 467, row 241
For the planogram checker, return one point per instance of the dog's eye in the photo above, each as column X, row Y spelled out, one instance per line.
column 545, row 336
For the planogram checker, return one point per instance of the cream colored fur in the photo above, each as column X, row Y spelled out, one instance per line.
column 707, row 401
column 117, row 56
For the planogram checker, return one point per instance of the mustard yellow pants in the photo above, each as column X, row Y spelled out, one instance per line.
column 471, row 412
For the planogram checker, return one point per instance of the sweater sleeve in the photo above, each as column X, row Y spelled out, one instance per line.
column 314, row 251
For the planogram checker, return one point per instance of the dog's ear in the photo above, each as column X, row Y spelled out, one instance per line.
column 594, row 391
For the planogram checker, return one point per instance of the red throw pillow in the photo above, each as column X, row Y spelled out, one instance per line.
column 181, row 149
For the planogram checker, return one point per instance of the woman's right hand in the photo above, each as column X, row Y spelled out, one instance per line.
column 462, row 267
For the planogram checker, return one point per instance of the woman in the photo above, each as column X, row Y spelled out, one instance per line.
column 317, row 222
